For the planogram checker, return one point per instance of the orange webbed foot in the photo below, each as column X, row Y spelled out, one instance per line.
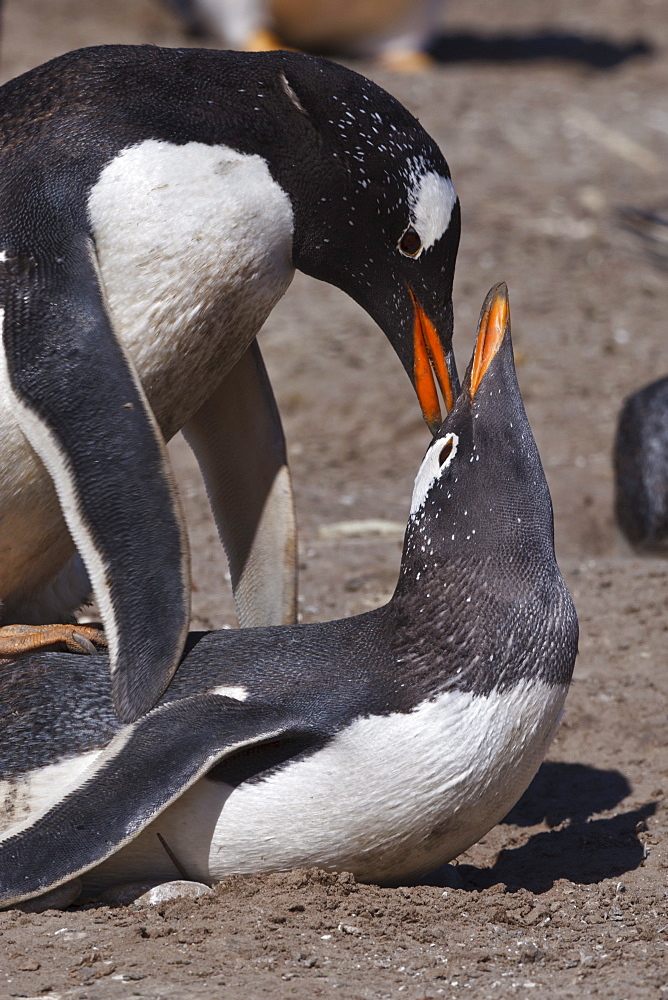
column 16, row 640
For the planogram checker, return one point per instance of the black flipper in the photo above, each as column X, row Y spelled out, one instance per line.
column 238, row 440
column 145, row 768
column 80, row 405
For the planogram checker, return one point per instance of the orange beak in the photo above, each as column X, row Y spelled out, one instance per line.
column 494, row 319
column 431, row 364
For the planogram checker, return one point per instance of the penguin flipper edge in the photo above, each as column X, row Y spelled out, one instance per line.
column 80, row 405
column 237, row 438
column 145, row 768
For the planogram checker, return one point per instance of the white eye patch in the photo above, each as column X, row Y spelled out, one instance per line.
column 432, row 201
column 435, row 462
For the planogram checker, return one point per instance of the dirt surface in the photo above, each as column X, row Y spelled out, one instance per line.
column 547, row 132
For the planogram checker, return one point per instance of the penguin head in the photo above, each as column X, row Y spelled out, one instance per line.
column 480, row 496
column 376, row 214
column 480, row 603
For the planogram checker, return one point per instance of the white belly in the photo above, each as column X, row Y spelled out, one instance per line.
column 194, row 244
column 194, row 249
column 389, row 798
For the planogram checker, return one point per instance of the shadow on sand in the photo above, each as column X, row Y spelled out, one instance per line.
column 559, row 46
column 583, row 850
column 568, row 791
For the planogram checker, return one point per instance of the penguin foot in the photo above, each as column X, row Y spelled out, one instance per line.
column 263, row 41
column 17, row 639
column 406, row 61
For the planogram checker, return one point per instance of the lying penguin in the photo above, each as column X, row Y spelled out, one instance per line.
column 154, row 204
column 383, row 744
column 640, row 456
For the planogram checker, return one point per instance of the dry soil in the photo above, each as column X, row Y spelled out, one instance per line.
column 549, row 127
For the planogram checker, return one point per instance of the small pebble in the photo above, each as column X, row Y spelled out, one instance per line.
column 350, row 929
column 179, row 889
column 152, row 893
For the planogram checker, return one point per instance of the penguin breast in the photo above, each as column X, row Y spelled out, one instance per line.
column 194, row 249
column 387, row 798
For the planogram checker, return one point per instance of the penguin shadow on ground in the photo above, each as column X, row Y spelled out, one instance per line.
column 582, row 850
column 594, row 51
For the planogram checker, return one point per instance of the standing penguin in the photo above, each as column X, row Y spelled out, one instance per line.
column 397, row 32
column 154, row 204
column 383, row 744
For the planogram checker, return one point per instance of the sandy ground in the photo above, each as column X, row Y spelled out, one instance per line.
column 568, row 896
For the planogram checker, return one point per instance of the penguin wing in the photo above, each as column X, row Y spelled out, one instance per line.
column 238, row 440
column 79, row 402
column 144, row 768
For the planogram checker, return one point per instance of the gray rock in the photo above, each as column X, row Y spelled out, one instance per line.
column 179, row 889
column 152, row 893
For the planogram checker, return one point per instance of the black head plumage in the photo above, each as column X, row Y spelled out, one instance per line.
column 478, row 558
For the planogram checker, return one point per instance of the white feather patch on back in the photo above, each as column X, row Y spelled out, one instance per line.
column 238, row 693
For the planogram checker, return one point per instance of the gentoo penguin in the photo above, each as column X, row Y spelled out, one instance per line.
column 641, row 467
column 383, row 744
column 396, row 32
column 154, row 204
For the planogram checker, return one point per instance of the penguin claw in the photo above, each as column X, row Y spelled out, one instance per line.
column 19, row 639
column 85, row 644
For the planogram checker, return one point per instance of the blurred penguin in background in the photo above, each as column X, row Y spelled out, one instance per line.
column 641, row 468
column 640, row 451
column 396, row 32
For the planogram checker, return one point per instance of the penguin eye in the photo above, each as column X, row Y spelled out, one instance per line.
column 446, row 452
column 410, row 243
